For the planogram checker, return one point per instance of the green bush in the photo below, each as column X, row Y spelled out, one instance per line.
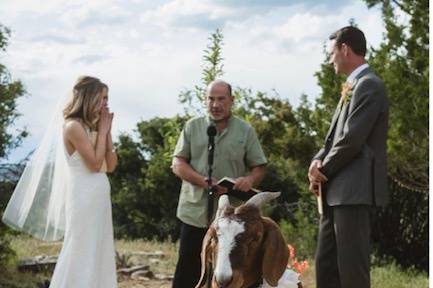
column 6, row 252
column 401, row 230
column 301, row 232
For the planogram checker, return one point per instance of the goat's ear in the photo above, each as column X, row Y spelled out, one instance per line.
column 275, row 256
column 206, row 257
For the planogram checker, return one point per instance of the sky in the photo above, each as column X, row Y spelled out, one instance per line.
column 150, row 51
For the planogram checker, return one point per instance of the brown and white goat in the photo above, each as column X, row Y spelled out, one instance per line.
column 243, row 247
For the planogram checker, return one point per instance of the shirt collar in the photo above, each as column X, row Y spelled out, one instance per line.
column 356, row 72
column 210, row 121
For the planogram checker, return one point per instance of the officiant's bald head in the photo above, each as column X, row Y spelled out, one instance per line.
column 219, row 82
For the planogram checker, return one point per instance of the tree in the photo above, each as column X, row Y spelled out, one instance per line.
column 194, row 99
column 402, row 61
column 144, row 188
column 10, row 91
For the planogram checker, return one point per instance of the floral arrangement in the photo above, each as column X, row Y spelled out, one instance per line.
column 346, row 92
column 290, row 277
column 299, row 267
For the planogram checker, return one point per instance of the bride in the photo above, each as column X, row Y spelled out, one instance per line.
column 64, row 190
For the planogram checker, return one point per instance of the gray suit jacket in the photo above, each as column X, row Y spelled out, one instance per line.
column 354, row 154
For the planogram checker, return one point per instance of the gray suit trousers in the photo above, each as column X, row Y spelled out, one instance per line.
column 342, row 256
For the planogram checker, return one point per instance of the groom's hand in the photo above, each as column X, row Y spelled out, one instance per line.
column 314, row 174
column 314, row 188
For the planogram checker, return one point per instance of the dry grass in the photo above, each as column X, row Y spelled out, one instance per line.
column 128, row 283
column 388, row 276
column 165, row 265
column 29, row 247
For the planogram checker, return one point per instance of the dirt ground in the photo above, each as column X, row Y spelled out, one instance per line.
column 144, row 284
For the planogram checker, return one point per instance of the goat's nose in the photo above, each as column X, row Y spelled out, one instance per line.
column 223, row 282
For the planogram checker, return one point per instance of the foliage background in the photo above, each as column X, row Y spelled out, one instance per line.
column 145, row 191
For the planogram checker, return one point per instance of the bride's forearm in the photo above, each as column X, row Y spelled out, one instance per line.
column 110, row 154
column 101, row 146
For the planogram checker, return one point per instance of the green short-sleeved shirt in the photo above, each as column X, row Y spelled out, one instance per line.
column 237, row 149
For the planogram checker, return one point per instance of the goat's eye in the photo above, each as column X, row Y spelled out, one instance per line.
column 238, row 237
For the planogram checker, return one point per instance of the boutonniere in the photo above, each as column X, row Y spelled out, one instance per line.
column 346, row 92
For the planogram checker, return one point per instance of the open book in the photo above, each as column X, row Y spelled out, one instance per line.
column 228, row 183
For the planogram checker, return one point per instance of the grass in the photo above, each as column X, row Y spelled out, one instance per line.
column 385, row 276
column 391, row 276
column 165, row 266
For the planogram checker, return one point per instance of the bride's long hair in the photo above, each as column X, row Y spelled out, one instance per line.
column 86, row 96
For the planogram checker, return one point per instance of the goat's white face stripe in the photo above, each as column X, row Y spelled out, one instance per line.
column 227, row 231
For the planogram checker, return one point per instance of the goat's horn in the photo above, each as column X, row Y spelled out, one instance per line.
column 223, row 202
column 261, row 198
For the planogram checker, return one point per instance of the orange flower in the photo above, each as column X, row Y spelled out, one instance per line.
column 299, row 267
column 291, row 252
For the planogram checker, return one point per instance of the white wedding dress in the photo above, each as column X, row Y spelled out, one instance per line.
column 87, row 257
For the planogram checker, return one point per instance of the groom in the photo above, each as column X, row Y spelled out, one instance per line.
column 351, row 167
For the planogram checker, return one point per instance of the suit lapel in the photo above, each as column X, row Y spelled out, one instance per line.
column 334, row 119
column 339, row 108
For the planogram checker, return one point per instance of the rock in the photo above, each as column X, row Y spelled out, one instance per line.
column 130, row 270
column 155, row 254
column 38, row 263
column 142, row 274
column 164, row 277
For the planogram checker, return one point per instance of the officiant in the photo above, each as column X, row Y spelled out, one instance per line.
column 238, row 154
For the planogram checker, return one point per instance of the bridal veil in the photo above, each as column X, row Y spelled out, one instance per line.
column 38, row 202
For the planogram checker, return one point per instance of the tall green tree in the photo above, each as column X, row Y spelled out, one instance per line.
column 402, row 61
column 193, row 100
column 10, row 91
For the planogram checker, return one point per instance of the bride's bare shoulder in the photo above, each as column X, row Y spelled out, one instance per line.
column 73, row 126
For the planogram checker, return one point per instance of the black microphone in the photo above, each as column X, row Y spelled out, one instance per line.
column 211, row 132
